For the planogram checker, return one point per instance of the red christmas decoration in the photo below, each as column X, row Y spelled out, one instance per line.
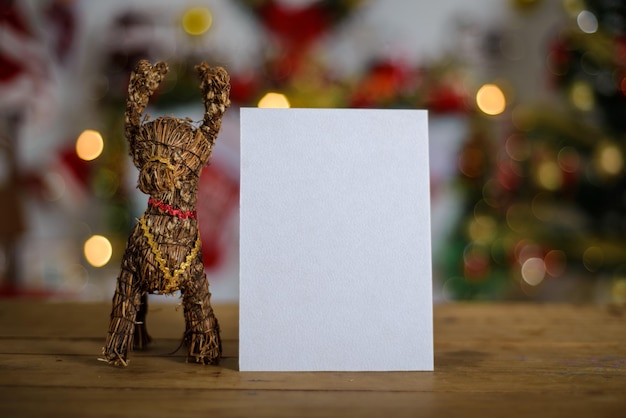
column 218, row 196
column 295, row 27
column 243, row 87
column 383, row 82
column 444, row 98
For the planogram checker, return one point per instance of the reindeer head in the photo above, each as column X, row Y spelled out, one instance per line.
column 170, row 152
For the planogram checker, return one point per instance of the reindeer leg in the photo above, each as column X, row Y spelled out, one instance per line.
column 142, row 338
column 202, row 334
column 126, row 304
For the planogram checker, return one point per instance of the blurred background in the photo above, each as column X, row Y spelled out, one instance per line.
column 527, row 120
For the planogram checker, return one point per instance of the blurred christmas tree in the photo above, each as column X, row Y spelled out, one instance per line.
column 546, row 196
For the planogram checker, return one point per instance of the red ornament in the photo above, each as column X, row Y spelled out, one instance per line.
column 509, row 175
column 243, row 87
column 446, row 99
column 80, row 169
column 218, row 195
column 295, row 26
column 384, row 83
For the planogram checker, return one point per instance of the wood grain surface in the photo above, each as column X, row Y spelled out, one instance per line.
column 490, row 360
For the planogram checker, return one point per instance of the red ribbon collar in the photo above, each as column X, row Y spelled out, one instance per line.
column 164, row 207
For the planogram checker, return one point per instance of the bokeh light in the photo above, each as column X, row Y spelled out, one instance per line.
column 490, row 193
column 555, row 262
column 490, row 99
column 98, row 250
column 549, row 175
column 517, row 217
column 476, row 262
column 533, row 271
column 517, row 147
column 543, row 207
column 482, row 229
column 587, row 21
column 526, row 249
column 274, row 100
column 89, row 145
column 609, row 159
column 509, row 174
column 197, row 20
column 618, row 291
column 581, row 95
column 472, row 162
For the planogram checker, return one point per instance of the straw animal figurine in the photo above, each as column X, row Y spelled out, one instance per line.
column 163, row 253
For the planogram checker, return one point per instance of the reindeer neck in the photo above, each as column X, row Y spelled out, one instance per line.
column 180, row 202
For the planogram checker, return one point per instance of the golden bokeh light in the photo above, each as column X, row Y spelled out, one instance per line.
column 89, row 145
column 490, row 99
column 274, row 100
column 197, row 20
column 482, row 229
column 98, row 250
column 618, row 291
column 549, row 175
column 609, row 159
column 581, row 95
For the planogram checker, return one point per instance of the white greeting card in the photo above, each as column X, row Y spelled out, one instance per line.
column 335, row 253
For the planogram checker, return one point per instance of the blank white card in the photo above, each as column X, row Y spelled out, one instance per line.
column 335, row 250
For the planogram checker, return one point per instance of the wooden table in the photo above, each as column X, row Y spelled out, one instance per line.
column 501, row 360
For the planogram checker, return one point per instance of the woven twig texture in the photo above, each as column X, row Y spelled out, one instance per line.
column 163, row 253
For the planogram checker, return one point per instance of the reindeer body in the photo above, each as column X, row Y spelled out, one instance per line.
column 163, row 253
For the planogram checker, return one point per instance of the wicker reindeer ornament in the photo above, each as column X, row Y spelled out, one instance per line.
column 163, row 253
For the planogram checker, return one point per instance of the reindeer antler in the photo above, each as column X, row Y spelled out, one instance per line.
column 215, row 87
column 144, row 80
